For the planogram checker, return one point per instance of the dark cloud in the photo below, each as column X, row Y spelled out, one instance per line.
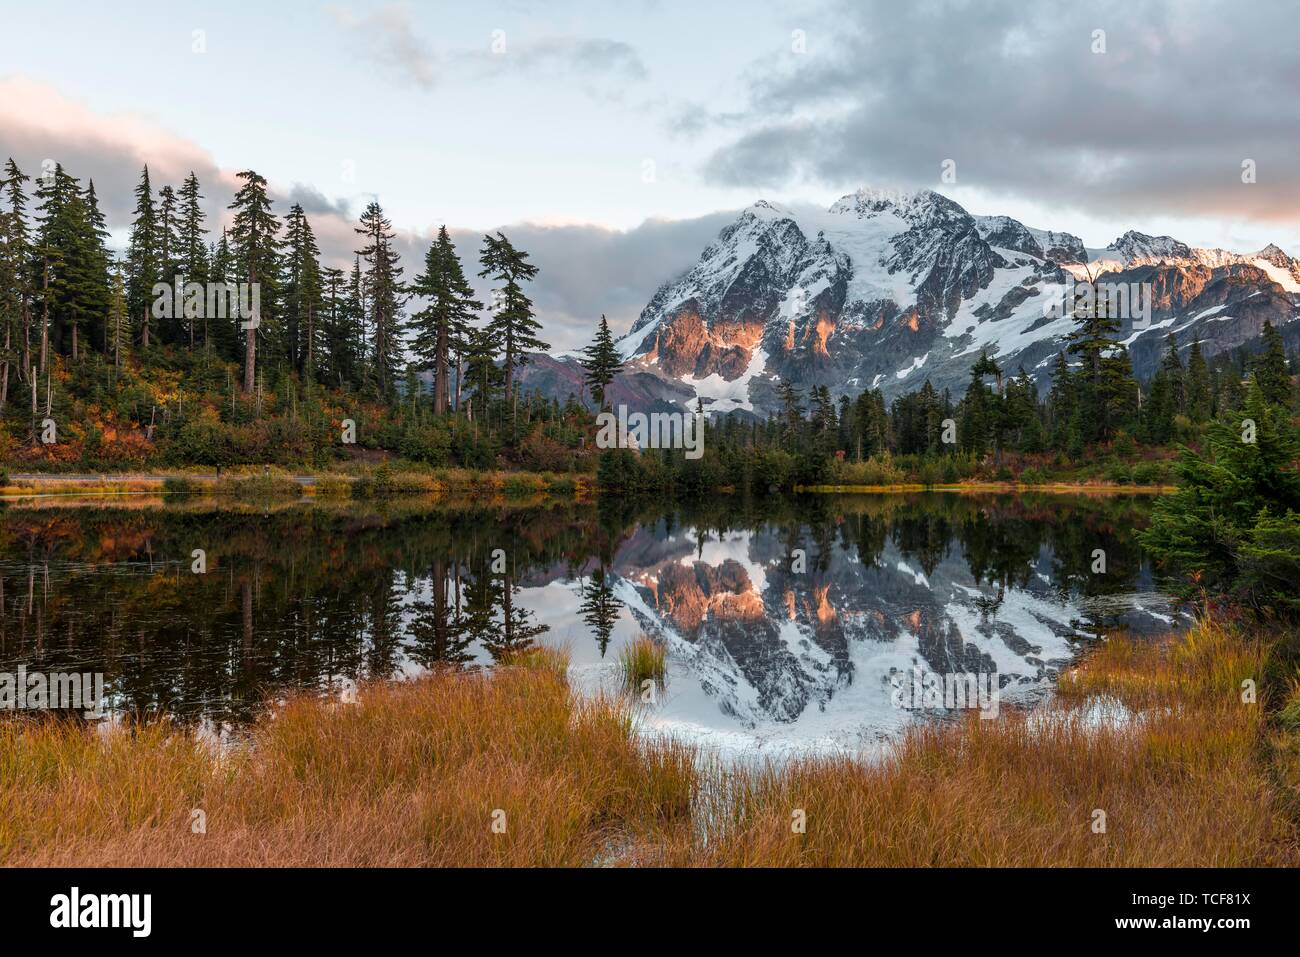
column 313, row 201
column 1161, row 122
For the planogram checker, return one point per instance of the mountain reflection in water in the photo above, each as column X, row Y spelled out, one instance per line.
column 783, row 619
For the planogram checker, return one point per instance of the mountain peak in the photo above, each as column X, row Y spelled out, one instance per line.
column 1134, row 245
column 1275, row 254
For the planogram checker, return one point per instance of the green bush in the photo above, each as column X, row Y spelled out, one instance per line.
column 1033, row 476
column 180, row 485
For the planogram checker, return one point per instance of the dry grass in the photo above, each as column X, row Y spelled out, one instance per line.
column 1181, row 782
column 413, row 773
column 410, row 775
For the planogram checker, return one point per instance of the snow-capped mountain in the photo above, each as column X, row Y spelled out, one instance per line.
column 889, row 291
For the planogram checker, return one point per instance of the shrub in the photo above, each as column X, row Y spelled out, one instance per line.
column 1149, row 473
column 333, row 486
column 179, row 485
column 1032, row 476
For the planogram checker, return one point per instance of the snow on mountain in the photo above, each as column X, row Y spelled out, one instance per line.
column 890, row 290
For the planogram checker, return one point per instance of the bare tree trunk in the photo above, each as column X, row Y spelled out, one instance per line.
column 4, row 388
column 440, row 374
column 250, row 345
column 45, row 314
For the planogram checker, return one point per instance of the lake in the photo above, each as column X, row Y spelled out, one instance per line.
column 786, row 621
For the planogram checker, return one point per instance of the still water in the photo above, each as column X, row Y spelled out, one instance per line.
column 784, row 620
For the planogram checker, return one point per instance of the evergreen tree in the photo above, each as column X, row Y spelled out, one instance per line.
column 1270, row 369
column 601, row 362
column 512, row 320
column 482, row 350
column 192, row 252
column 1198, row 385
column 383, row 279
column 1233, row 527
column 442, row 326
column 1060, row 403
column 15, row 279
column 1100, row 387
column 144, row 263
column 300, row 292
column 256, row 249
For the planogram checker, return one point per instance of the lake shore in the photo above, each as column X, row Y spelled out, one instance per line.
column 1148, row 755
column 445, row 481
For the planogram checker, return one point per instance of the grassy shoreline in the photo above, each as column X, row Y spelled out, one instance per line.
column 452, row 481
column 512, row 768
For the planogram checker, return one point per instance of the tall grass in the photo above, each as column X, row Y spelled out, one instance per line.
column 1178, row 782
column 418, row 773
column 642, row 659
column 412, row 774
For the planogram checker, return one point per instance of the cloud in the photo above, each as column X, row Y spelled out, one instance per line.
column 563, row 53
column 1159, row 123
column 388, row 36
column 38, row 123
column 313, row 201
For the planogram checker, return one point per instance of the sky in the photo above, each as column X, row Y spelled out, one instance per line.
column 614, row 140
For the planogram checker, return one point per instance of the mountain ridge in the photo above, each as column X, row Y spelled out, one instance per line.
column 887, row 290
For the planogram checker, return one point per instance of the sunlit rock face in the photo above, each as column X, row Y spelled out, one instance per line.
column 888, row 290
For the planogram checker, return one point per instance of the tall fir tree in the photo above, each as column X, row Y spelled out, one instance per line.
column 254, row 237
column 1198, row 384
column 144, row 263
column 383, row 281
column 300, row 292
column 15, row 280
column 441, row 327
column 1270, row 369
column 512, row 321
column 601, row 362
column 192, row 253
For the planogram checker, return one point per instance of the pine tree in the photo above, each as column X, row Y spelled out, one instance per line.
column 144, row 264
column 482, row 350
column 220, row 331
column 1233, row 527
column 72, row 262
column 1096, row 388
column 15, row 279
column 1198, row 385
column 256, row 248
column 512, row 318
column 301, row 293
column 97, row 269
column 601, row 362
column 442, row 326
column 1270, row 369
column 192, row 252
column 117, row 331
column 383, row 279
column 1060, row 403
column 1172, row 366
